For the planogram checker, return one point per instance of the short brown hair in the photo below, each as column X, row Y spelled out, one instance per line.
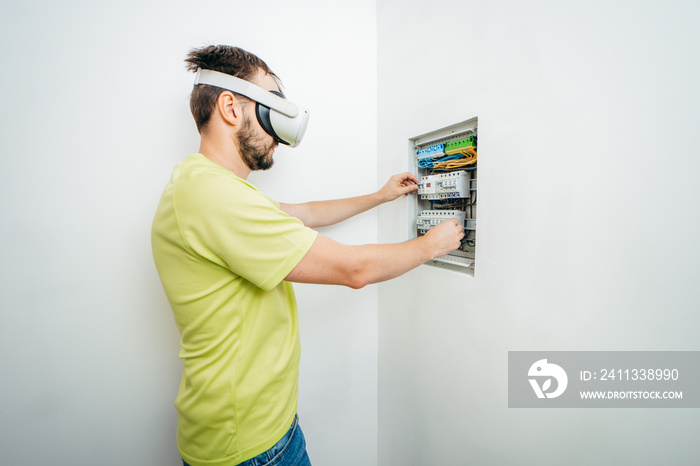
column 225, row 59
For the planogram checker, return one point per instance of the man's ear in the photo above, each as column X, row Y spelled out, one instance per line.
column 229, row 108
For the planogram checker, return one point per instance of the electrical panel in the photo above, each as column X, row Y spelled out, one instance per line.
column 445, row 163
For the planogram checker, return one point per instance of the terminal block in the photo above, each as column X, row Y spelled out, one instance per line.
column 436, row 150
column 456, row 147
column 429, row 218
column 452, row 185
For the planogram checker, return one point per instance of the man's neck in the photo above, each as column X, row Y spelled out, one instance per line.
column 225, row 153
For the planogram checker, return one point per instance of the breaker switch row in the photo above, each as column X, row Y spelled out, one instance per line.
column 429, row 218
column 452, row 185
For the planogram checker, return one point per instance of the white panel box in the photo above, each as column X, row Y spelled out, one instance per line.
column 444, row 161
column 429, row 218
column 453, row 185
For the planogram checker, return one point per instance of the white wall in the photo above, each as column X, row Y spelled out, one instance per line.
column 95, row 115
column 588, row 222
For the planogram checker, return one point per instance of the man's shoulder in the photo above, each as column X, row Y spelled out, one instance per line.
column 197, row 174
column 198, row 168
column 200, row 187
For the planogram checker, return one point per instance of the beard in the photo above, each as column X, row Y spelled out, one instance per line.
column 256, row 154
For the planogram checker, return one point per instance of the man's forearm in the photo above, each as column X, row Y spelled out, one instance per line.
column 323, row 213
column 330, row 262
column 380, row 262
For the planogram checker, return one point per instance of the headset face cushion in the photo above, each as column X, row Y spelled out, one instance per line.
column 263, row 114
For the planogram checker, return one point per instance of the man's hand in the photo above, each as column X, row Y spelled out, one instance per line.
column 397, row 185
column 445, row 237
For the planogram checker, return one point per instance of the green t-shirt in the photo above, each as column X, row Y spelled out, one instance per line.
column 222, row 250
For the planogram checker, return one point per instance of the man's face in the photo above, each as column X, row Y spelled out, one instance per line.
column 254, row 144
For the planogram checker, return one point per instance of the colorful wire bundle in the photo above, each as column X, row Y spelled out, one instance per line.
column 467, row 156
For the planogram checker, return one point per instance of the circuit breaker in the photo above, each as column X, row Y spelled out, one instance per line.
column 445, row 163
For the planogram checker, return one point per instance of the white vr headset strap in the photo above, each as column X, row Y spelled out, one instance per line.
column 248, row 89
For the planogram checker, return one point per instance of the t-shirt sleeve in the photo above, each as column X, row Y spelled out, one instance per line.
column 228, row 222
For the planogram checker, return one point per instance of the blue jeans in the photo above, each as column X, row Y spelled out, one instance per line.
column 289, row 451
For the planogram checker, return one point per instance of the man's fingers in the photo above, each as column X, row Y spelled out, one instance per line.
column 408, row 177
column 408, row 189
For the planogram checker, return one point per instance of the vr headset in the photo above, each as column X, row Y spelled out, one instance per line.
column 280, row 118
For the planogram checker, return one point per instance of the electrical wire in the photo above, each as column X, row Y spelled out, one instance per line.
column 466, row 156
column 429, row 162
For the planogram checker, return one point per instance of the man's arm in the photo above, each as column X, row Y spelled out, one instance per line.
column 323, row 213
column 333, row 263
